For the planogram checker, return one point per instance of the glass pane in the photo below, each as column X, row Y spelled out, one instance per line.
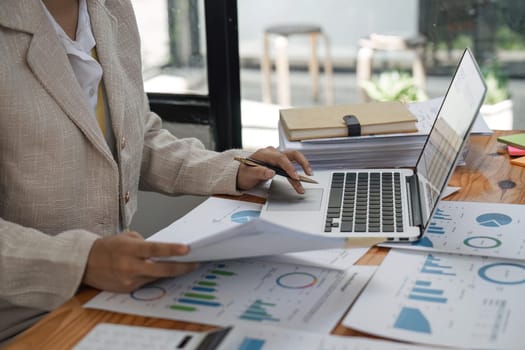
column 173, row 45
column 360, row 41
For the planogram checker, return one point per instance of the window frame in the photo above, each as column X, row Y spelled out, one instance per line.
column 221, row 108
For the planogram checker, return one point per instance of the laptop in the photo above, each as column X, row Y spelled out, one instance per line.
column 395, row 204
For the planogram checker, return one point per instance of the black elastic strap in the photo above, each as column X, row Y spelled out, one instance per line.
column 352, row 123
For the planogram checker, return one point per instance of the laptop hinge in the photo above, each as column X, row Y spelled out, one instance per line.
column 414, row 200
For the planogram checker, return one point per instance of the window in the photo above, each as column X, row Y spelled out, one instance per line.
column 436, row 31
column 190, row 65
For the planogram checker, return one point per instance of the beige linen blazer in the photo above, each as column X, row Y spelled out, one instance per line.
column 60, row 185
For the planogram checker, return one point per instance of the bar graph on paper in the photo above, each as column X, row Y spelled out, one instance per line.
column 247, row 291
column 486, row 229
column 444, row 299
column 203, row 293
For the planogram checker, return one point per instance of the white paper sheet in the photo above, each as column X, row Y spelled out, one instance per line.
column 272, row 338
column 341, row 259
column 227, row 229
column 106, row 336
column 474, row 228
column 247, row 291
column 443, row 299
column 120, row 337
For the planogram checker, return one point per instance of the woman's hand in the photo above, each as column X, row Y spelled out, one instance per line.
column 122, row 263
column 249, row 176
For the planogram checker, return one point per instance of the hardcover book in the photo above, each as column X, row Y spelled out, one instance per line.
column 329, row 121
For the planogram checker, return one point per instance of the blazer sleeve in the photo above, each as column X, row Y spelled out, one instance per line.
column 174, row 165
column 39, row 270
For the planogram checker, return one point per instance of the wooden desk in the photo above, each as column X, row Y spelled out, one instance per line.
column 487, row 177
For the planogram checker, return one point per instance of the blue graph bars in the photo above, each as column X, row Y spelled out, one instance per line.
column 257, row 312
column 199, row 302
column 203, row 289
column 441, row 215
column 203, row 292
column 422, row 292
column 432, row 266
column 435, row 229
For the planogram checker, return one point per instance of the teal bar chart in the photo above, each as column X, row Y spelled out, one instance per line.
column 248, row 291
column 444, row 300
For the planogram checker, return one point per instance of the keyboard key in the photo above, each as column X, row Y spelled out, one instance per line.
column 360, row 227
column 346, row 226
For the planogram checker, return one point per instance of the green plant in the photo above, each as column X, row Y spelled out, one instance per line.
column 393, row 86
column 497, row 84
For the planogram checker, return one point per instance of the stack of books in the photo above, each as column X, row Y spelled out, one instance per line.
column 515, row 147
column 378, row 150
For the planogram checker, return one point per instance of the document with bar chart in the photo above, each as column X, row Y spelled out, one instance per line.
column 247, row 291
column 486, row 229
column 272, row 338
column 444, row 299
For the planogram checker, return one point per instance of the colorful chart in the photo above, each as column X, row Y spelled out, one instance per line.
column 246, row 291
column 421, row 291
column 296, row 280
column 432, row 266
column 252, row 344
column 474, row 228
column 435, row 229
column 411, row 319
column 203, row 292
column 494, row 220
column 424, row 242
column 482, row 242
column 443, row 299
column 505, row 273
column 244, row 216
column 258, row 311
column 441, row 214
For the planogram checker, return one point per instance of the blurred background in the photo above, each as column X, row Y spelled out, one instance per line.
column 220, row 70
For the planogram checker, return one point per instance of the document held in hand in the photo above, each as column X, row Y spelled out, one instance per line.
column 347, row 120
column 228, row 229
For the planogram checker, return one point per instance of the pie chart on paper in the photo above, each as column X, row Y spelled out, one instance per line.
column 493, row 220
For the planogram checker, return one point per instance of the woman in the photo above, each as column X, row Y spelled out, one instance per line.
column 77, row 141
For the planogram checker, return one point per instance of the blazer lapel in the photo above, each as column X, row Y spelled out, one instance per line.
column 105, row 28
column 48, row 61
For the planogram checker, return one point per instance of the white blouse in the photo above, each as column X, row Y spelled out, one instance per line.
column 87, row 70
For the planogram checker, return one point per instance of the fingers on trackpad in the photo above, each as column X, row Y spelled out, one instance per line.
column 283, row 197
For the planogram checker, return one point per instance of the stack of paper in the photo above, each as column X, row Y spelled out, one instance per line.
column 387, row 150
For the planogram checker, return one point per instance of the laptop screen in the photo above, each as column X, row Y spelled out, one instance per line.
column 449, row 133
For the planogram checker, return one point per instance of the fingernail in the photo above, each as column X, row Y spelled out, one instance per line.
column 269, row 174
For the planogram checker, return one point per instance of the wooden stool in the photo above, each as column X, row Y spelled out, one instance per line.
column 281, row 34
column 378, row 42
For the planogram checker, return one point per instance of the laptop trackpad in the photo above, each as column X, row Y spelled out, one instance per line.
column 283, row 197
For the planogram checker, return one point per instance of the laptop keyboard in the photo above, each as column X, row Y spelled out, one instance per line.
column 365, row 202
